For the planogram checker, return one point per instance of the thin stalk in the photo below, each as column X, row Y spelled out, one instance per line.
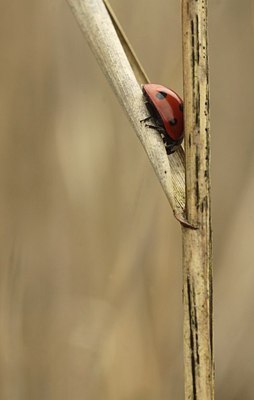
column 136, row 66
column 197, row 244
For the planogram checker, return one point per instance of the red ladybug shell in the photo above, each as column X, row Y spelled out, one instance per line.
column 169, row 106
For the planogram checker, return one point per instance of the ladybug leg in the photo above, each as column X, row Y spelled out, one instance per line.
column 157, row 128
column 146, row 119
column 169, row 150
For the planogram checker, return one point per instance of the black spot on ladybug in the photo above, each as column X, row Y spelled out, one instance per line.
column 161, row 95
column 173, row 121
column 181, row 107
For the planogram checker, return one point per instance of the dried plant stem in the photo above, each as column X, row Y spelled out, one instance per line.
column 119, row 68
column 197, row 247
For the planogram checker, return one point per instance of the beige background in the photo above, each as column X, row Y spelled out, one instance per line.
column 90, row 278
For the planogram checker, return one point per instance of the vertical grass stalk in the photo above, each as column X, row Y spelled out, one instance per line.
column 197, row 244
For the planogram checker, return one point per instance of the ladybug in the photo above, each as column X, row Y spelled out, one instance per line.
column 166, row 108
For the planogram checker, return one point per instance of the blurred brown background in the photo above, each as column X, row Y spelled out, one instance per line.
column 90, row 279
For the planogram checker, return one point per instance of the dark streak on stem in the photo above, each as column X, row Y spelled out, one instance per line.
column 197, row 35
column 192, row 53
column 204, row 204
column 197, row 164
column 197, row 193
column 195, row 323
column 198, row 106
column 191, row 342
column 211, row 311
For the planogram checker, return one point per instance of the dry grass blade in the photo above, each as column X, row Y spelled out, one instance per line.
column 97, row 26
